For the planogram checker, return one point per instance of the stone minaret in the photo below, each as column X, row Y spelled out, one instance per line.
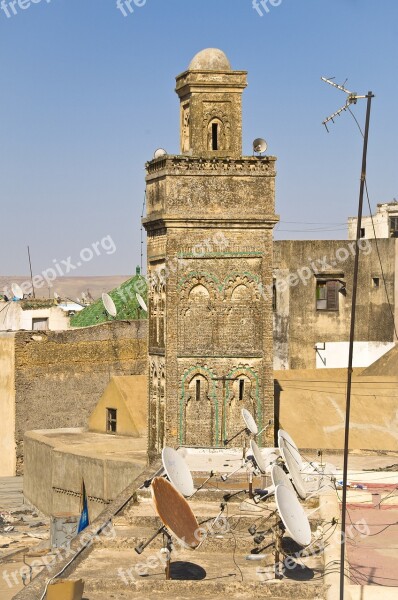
column 210, row 216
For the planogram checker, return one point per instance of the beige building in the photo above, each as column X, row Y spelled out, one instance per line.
column 385, row 223
column 54, row 379
column 210, row 219
column 312, row 302
column 33, row 315
column 122, row 408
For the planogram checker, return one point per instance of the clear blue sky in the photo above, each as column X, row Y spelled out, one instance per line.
column 88, row 94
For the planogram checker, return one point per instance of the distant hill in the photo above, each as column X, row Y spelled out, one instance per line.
column 124, row 297
column 69, row 287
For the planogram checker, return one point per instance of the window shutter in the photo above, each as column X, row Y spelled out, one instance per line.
column 332, row 295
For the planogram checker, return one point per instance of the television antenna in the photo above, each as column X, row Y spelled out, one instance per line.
column 351, row 99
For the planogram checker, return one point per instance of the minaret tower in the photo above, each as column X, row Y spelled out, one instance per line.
column 210, row 217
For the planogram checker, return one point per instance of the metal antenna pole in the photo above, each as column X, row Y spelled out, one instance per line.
column 351, row 346
column 31, row 274
column 352, row 98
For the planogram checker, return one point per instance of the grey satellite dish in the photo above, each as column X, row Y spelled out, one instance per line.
column 294, row 451
column 258, row 457
column 260, row 145
column 178, row 472
column 293, row 516
column 159, row 153
column 293, row 469
column 17, row 291
column 249, row 421
column 141, row 302
column 109, row 305
column 279, row 477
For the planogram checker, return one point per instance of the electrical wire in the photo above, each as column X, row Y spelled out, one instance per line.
column 374, row 232
column 381, row 265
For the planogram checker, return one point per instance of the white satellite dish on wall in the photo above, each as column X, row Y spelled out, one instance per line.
column 293, row 469
column 260, row 145
column 258, row 457
column 159, row 153
column 291, row 445
column 17, row 291
column 249, row 421
column 109, row 305
column 141, row 302
column 293, row 516
column 178, row 472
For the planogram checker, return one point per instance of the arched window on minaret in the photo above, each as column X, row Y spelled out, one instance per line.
column 216, row 135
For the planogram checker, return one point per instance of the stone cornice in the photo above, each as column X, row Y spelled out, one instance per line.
column 168, row 221
column 192, row 165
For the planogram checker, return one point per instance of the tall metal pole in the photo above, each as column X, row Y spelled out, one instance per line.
column 351, row 347
column 31, row 274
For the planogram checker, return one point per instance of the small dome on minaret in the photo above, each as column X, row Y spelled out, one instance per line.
column 210, row 59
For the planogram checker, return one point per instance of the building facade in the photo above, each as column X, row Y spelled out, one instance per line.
column 312, row 302
column 385, row 223
column 210, row 218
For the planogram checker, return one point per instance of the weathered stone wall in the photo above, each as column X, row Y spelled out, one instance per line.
column 7, row 405
column 298, row 325
column 60, row 376
column 210, row 215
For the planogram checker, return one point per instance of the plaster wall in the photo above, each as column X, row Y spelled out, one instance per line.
column 7, row 406
column 334, row 355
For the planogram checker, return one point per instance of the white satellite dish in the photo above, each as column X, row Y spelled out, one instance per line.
column 17, row 291
column 109, row 305
column 159, row 153
column 258, row 457
column 293, row 468
column 142, row 302
column 279, row 477
column 294, row 451
column 293, row 516
column 178, row 472
column 260, row 145
column 249, row 421
column 57, row 296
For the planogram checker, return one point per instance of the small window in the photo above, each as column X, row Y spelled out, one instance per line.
column 394, row 227
column 197, row 390
column 376, row 282
column 327, row 295
column 274, row 305
column 214, row 136
column 241, row 389
column 40, row 324
column 362, row 232
column 111, row 420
